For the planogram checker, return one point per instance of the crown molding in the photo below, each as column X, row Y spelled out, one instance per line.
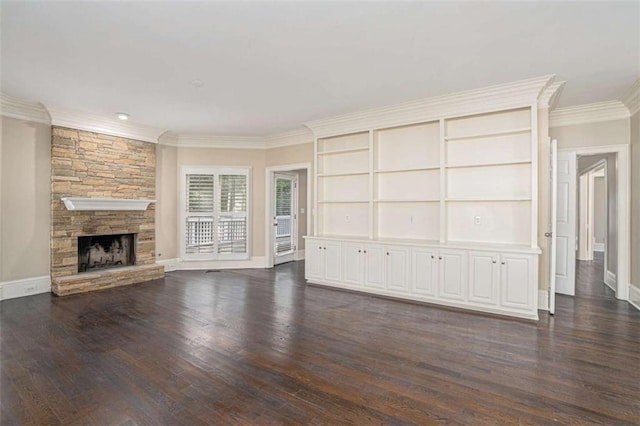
column 191, row 140
column 97, row 123
column 632, row 99
column 290, row 138
column 549, row 96
column 23, row 110
column 503, row 96
column 589, row 113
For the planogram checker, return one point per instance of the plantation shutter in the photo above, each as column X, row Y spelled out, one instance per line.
column 200, row 223
column 232, row 221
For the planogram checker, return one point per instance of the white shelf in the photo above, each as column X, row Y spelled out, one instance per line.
column 343, row 202
column 409, row 200
column 343, row 151
column 416, row 169
column 488, row 135
column 462, row 200
column 105, row 204
column 489, row 164
column 342, row 174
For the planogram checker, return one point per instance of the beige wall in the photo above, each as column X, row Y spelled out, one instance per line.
column 599, row 210
column 25, row 179
column 290, row 155
column 303, row 209
column 635, row 205
column 167, row 179
column 592, row 134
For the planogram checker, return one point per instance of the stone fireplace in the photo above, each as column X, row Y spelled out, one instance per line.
column 107, row 246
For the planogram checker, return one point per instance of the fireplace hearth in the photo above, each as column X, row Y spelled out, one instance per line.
column 105, row 251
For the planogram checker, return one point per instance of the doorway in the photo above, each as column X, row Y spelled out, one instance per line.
column 287, row 214
column 577, row 171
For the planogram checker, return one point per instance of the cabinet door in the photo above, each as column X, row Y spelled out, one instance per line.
column 373, row 269
column 516, row 280
column 332, row 261
column 483, row 277
column 352, row 267
column 313, row 260
column 453, row 274
column 397, row 268
column 425, row 274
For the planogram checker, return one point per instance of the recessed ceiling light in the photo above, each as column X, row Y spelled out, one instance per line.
column 122, row 115
column 197, row 83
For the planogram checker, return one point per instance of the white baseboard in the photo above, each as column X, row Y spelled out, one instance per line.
column 188, row 265
column 298, row 255
column 25, row 287
column 634, row 296
column 598, row 247
column 169, row 264
column 610, row 280
column 543, row 300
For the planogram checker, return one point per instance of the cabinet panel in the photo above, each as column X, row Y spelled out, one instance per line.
column 516, row 280
column 332, row 261
column 483, row 277
column 373, row 266
column 313, row 259
column 352, row 271
column 397, row 268
column 425, row 274
column 453, row 273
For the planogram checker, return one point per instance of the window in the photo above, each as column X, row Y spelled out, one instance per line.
column 215, row 222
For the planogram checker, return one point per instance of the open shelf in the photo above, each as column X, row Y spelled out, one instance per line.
column 412, row 169
column 342, row 201
column 489, row 134
column 343, row 151
column 409, row 200
column 342, row 174
column 497, row 163
column 488, row 199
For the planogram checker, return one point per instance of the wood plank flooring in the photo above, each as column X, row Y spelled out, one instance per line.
column 261, row 347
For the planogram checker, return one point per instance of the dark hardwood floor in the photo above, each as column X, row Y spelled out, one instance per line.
column 261, row 347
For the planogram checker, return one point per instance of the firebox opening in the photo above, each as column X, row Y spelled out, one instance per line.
column 106, row 251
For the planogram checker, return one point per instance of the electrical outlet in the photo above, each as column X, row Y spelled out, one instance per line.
column 476, row 220
column 30, row 289
column 347, row 218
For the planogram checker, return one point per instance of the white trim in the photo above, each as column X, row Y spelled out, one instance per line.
column 543, row 300
column 517, row 94
column 23, row 110
column 623, row 210
column 610, row 279
column 599, row 247
column 190, row 265
column 105, row 204
column 589, row 113
column 99, row 123
column 634, row 296
column 632, row 100
column 25, row 287
column 549, row 97
column 292, row 137
column 268, row 207
column 298, row 255
column 169, row 264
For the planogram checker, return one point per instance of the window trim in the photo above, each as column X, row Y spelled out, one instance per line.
column 182, row 217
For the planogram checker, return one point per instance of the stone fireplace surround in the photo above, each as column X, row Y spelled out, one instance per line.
column 92, row 165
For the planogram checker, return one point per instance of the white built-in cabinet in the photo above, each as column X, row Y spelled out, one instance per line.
column 443, row 210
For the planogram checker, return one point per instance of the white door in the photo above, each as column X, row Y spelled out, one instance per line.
column 553, row 227
column 373, row 267
column 313, row 260
column 515, row 276
column 566, row 224
column 453, row 273
column 332, row 261
column 425, row 271
column 284, row 217
column 397, row 268
column 353, row 264
column 483, row 277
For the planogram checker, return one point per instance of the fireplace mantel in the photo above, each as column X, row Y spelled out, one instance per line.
column 105, row 204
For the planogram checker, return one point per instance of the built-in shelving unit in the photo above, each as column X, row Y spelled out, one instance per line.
column 442, row 209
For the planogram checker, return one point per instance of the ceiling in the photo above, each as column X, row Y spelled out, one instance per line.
column 268, row 67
